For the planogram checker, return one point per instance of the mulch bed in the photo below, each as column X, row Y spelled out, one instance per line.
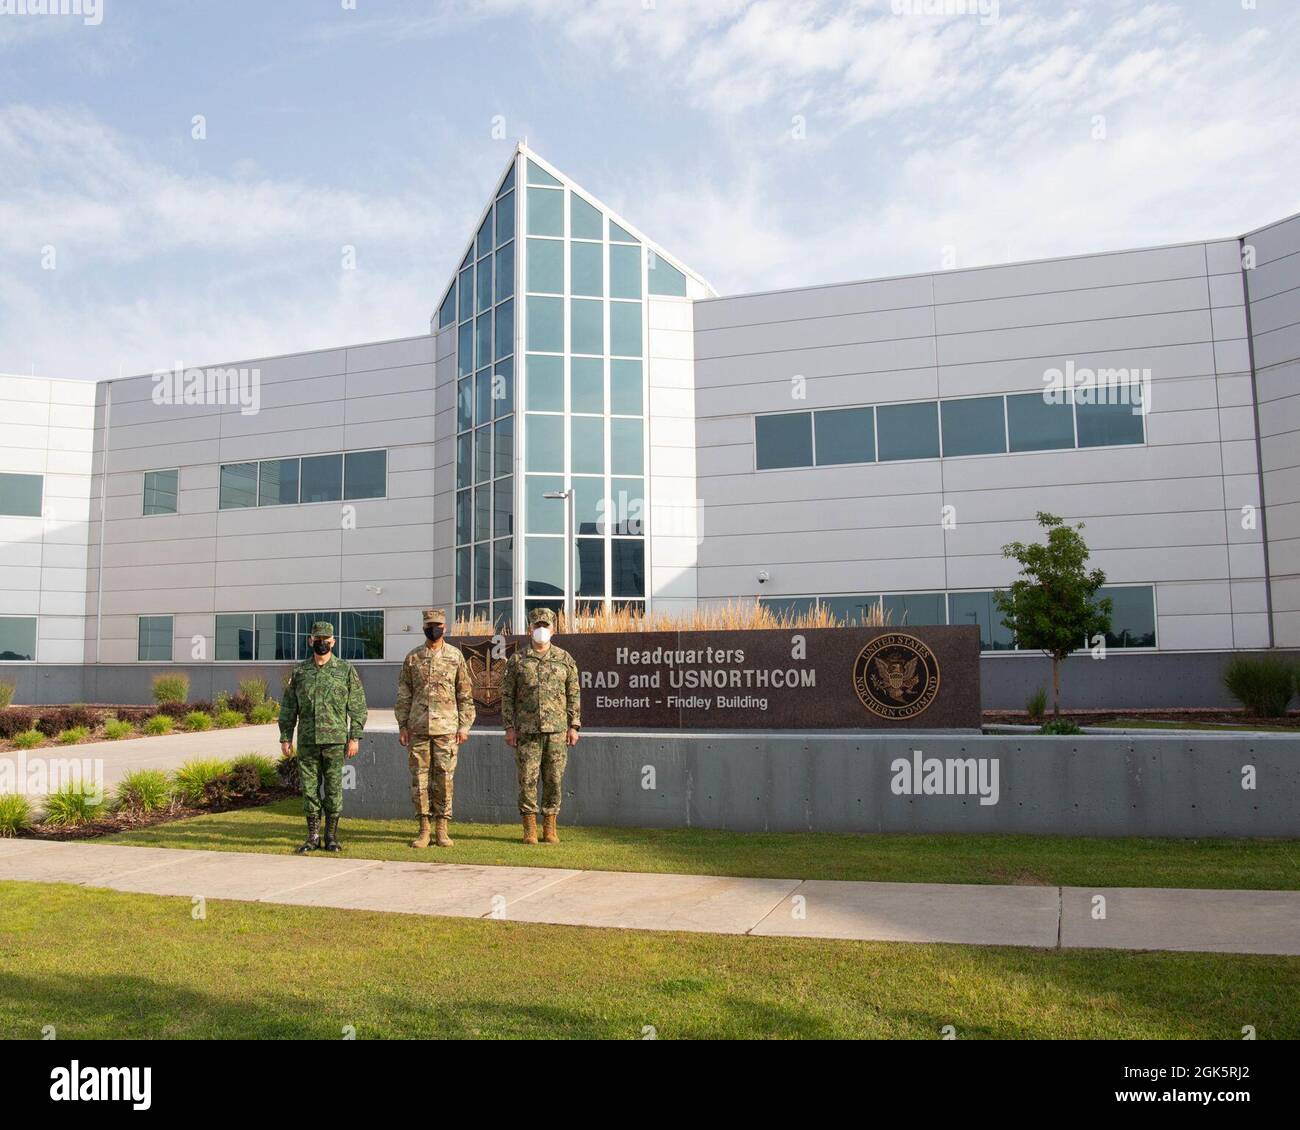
column 127, row 822
column 1184, row 715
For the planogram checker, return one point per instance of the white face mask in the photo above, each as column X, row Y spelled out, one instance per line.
column 542, row 635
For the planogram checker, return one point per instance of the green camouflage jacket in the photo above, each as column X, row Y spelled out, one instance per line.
column 435, row 693
column 327, row 703
column 539, row 692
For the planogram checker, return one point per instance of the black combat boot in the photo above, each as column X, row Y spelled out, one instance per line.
column 332, row 834
column 312, row 842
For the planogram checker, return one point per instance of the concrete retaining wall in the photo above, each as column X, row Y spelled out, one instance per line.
column 836, row 782
column 1145, row 680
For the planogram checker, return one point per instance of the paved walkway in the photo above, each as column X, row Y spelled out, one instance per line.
column 167, row 751
column 1046, row 917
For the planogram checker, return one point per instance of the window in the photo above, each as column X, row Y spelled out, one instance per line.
column 447, row 311
column 20, row 495
column 361, row 635
column 546, row 266
column 783, row 440
column 907, row 431
column 587, row 453
column 589, row 505
column 621, row 235
column 978, row 608
column 1119, row 420
column 589, row 563
column 903, row 610
column 587, row 326
column 546, row 324
column 322, row 478
column 664, row 278
column 545, row 515
column 277, row 483
column 845, row 435
column 545, row 212
column 160, row 492
column 546, row 384
column 466, row 289
column 505, row 329
column 626, row 513
column 544, row 565
column 624, row 272
column 465, row 349
column 238, row 485
column 538, row 175
column 17, row 639
column 627, row 567
column 1132, row 615
column 587, row 385
column 587, row 269
column 625, row 388
column 276, row 635
column 506, row 218
column 973, row 426
column 626, row 447
column 235, row 636
column 625, row 329
column 365, row 474
column 154, row 639
column 1034, row 424
column 545, row 447
column 585, row 219
column 505, row 271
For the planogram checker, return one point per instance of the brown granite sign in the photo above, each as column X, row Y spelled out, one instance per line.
column 769, row 679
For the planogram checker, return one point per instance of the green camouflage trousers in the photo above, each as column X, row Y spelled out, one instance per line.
column 547, row 754
column 321, row 768
column 432, row 761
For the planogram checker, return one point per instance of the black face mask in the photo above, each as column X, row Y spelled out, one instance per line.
column 321, row 647
column 433, row 631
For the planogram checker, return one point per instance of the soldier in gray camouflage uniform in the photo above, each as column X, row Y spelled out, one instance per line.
column 326, row 701
column 542, row 712
column 435, row 709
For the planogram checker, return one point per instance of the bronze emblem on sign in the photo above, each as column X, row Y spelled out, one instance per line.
column 486, row 672
column 896, row 676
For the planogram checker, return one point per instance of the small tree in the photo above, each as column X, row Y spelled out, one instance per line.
column 1054, row 605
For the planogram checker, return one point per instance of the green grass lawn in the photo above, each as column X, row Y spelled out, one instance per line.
column 1212, row 727
column 102, row 964
column 1058, row 861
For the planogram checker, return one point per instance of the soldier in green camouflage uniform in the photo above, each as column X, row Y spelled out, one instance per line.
column 542, row 712
column 327, row 703
column 435, row 709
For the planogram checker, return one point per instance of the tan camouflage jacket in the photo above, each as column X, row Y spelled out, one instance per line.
column 540, row 693
column 435, row 694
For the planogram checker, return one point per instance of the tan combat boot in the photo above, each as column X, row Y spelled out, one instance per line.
column 549, row 834
column 530, row 828
column 422, row 840
column 443, row 839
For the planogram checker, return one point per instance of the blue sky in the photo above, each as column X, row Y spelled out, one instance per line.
column 766, row 143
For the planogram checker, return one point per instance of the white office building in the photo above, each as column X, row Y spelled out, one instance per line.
column 871, row 445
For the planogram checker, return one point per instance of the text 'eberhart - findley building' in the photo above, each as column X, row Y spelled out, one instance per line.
column 868, row 443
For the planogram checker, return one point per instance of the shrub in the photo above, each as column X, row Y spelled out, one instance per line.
column 136, row 715
column 16, row 720
column 73, row 734
column 263, row 713
column 170, row 688
column 144, row 791
column 1036, row 705
column 242, row 703
column 255, row 690
column 173, row 710
column 192, row 778
column 204, row 705
column 267, row 776
column 7, row 695
column 1060, row 727
column 1262, row 684
column 15, row 814
column 116, row 728
column 55, row 719
column 158, row 724
column 28, row 739
column 289, row 773
column 228, row 718
column 221, row 703
column 72, row 805
column 245, row 777
column 196, row 720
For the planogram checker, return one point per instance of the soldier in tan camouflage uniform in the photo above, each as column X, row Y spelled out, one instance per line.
column 435, row 709
column 542, row 712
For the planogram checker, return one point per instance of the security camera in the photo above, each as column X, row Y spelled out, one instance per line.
column 764, row 577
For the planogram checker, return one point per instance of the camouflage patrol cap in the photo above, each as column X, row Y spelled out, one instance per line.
column 542, row 616
column 435, row 616
column 322, row 629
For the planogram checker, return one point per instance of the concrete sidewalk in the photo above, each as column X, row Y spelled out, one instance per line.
column 166, row 751
column 1263, row 922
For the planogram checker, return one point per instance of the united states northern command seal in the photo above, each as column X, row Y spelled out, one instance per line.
column 896, row 676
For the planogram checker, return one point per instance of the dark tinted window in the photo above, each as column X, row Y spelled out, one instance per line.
column 783, row 440
column 907, row 431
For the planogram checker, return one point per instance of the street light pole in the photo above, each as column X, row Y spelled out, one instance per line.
column 570, row 551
